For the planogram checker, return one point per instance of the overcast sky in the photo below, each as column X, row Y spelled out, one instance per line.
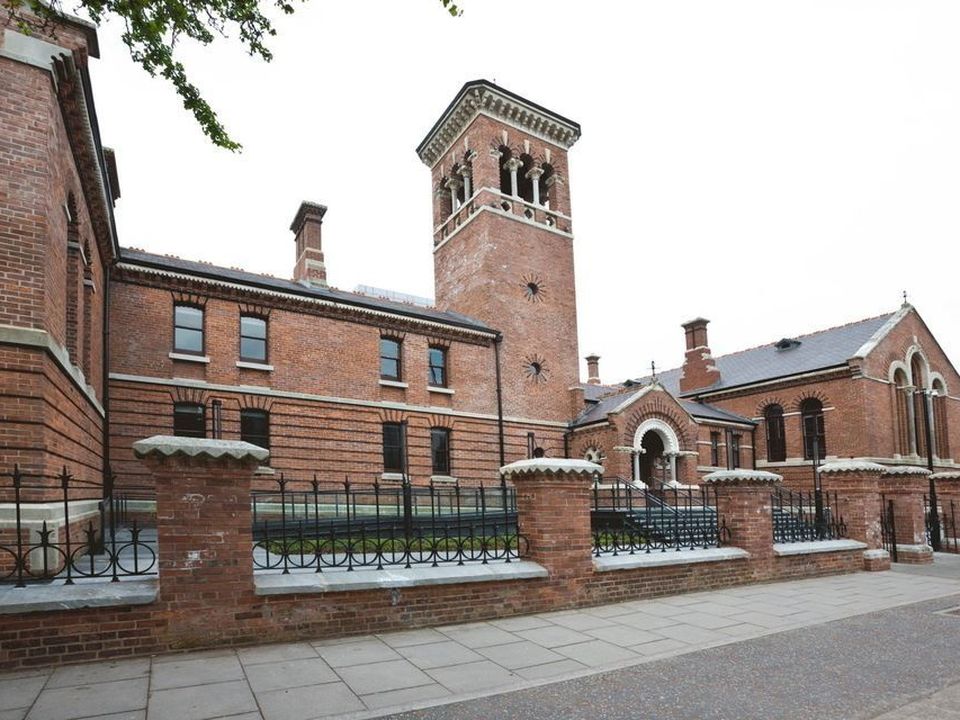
column 777, row 167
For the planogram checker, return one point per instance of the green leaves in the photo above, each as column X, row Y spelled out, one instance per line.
column 152, row 29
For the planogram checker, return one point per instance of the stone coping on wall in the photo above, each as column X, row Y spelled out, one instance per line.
column 947, row 475
column 607, row 563
column 169, row 445
column 742, row 477
column 394, row 577
column 841, row 466
column 551, row 466
column 905, row 470
column 58, row 596
column 816, row 546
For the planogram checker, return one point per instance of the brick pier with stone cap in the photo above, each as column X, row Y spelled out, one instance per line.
column 906, row 485
column 553, row 507
column 856, row 484
column 203, row 534
column 743, row 501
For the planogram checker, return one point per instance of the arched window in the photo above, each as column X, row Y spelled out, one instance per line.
column 814, row 437
column 525, row 183
column 776, row 437
column 941, row 432
column 546, row 183
column 506, row 184
column 902, row 400
column 919, row 378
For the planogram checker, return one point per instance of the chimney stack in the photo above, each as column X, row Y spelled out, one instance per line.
column 593, row 369
column 699, row 370
column 306, row 227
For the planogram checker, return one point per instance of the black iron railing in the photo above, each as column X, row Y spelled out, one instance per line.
column 320, row 526
column 806, row 517
column 628, row 518
column 942, row 520
column 888, row 528
column 64, row 528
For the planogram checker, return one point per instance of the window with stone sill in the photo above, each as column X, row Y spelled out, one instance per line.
column 188, row 329
column 391, row 362
column 394, row 448
column 440, row 450
column 189, row 420
column 437, row 366
column 253, row 339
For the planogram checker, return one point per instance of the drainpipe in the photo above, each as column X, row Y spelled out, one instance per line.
column 753, row 446
column 105, row 372
column 496, row 356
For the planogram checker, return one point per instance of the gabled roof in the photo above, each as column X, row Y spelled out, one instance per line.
column 805, row 353
column 241, row 277
column 605, row 399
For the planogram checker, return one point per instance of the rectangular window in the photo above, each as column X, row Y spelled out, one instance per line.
column 715, row 449
column 394, row 450
column 735, row 451
column 437, row 358
column 390, row 365
column 253, row 338
column 255, row 427
column 188, row 329
column 189, row 420
column 440, row 450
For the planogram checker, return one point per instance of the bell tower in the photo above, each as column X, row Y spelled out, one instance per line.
column 503, row 238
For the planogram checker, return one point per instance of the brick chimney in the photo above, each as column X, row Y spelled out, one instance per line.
column 306, row 226
column 699, row 370
column 593, row 369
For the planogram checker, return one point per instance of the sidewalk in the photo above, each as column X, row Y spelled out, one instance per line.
column 378, row 675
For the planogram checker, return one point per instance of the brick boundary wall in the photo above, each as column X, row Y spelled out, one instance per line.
column 906, row 486
column 198, row 579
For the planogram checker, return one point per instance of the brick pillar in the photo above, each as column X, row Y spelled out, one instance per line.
column 203, row 533
column 948, row 494
column 553, row 513
column 906, row 485
column 744, row 506
column 857, row 487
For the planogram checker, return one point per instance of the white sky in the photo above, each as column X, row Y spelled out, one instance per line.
column 777, row 167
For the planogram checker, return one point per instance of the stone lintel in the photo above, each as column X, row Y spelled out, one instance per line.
column 551, row 466
column 169, row 446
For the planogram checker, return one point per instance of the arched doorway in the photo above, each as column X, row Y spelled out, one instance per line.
column 656, row 448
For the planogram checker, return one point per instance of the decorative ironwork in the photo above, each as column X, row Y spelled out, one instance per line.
column 941, row 524
column 630, row 518
column 63, row 528
column 805, row 517
column 888, row 528
column 317, row 526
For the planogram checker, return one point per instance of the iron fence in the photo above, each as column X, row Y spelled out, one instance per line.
column 629, row 518
column 59, row 527
column 805, row 517
column 888, row 528
column 946, row 512
column 318, row 526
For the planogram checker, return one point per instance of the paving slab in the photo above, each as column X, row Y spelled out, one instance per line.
column 433, row 655
column 201, row 702
column 474, row 676
column 99, row 672
column 360, row 652
column 20, row 692
column 276, row 653
column 289, row 674
column 624, row 636
column 514, row 656
column 405, row 696
column 551, row 670
column 306, row 703
column 597, row 653
column 83, row 701
column 553, row 636
column 477, row 635
column 383, row 676
column 411, row 637
column 204, row 671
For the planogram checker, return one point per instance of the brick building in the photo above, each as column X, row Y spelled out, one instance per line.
column 375, row 385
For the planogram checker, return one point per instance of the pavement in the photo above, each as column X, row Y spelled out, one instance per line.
column 846, row 645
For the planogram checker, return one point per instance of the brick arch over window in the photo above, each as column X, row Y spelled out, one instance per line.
column 256, row 402
column 188, row 395
column 766, row 402
column 442, row 421
column 796, row 405
column 658, row 410
column 388, row 415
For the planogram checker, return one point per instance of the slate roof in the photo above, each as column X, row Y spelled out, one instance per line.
column 817, row 351
column 242, row 277
column 603, row 399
